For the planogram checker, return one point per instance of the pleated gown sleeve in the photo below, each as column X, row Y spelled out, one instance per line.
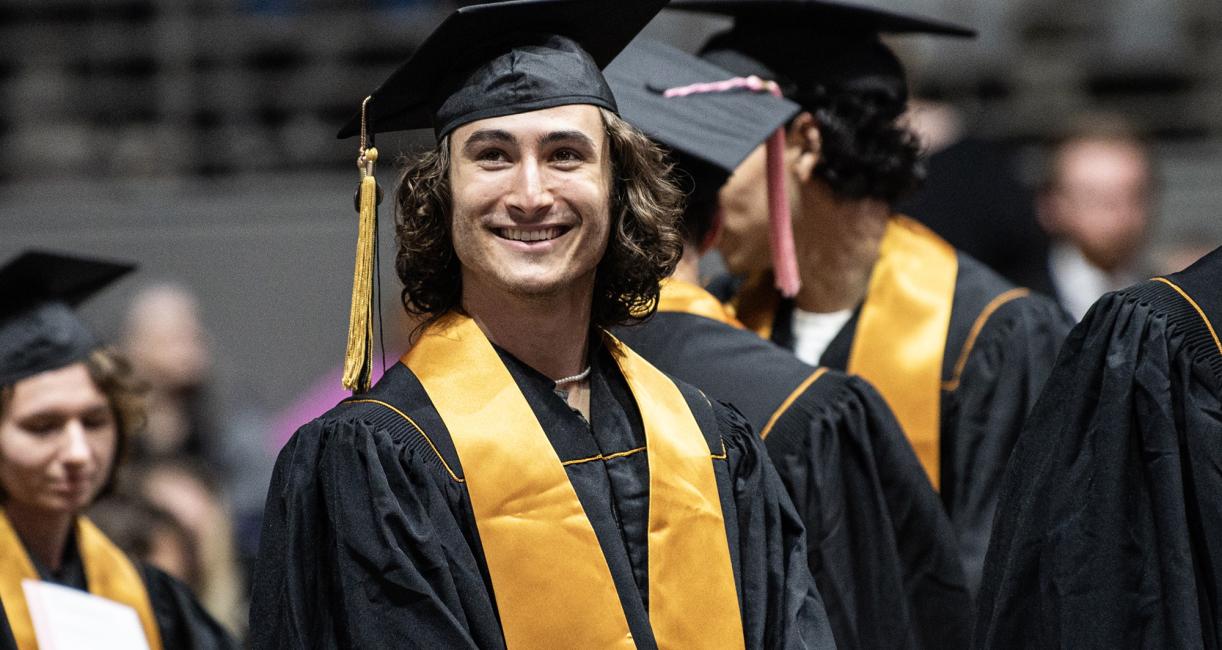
column 993, row 386
column 1109, row 527
column 362, row 547
column 780, row 602
column 881, row 547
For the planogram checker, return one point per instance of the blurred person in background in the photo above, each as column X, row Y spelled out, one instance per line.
column 187, row 492
column 1097, row 204
column 191, row 424
column 958, row 353
column 165, row 339
column 67, row 411
column 149, row 534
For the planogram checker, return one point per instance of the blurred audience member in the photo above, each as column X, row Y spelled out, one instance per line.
column 189, row 495
column 149, row 534
column 1097, row 204
column 165, row 339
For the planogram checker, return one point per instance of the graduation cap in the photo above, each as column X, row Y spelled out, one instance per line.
column 484, row 61
column 713, row 120
column 802, row 44
column 503, row 58
column 39, row 329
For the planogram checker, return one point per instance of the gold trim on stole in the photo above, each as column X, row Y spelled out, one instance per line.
column 900, row 340
column 552, row 584
column 687, row 298
column 108, row 572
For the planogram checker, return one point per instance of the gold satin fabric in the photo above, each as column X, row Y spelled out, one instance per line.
column 692, row 599
column 108, row 572
column 900, row 340
column 552, row 585
column 686, row 298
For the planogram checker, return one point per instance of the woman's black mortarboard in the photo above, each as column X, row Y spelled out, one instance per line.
column 806, row 43
column 484, row 61
column 39, row 330
column 711, row 119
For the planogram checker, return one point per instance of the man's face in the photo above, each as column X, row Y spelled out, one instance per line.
column 744, row 211
column 531, row 200
column 1101, row 200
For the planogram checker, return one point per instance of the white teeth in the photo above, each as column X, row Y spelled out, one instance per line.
column 517, row 234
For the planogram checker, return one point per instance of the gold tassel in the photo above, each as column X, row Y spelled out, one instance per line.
column 358, row 359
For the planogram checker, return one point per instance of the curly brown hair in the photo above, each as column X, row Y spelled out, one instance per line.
column 644, row 247
column 113, row 375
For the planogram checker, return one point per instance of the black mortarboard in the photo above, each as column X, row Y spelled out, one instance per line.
column 503, row 58
column 718, row 128
column 39, row 330
column 801, row 44
column 713, row 120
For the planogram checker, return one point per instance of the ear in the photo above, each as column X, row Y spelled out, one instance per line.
column 1046, row 212
column 804, row 136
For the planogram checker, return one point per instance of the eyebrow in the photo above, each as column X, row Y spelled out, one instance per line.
column 567, row 136
column 486, row 136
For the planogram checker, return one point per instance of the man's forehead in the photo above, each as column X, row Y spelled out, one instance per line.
column 573, row 119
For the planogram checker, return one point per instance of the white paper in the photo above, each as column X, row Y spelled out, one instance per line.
column 70, row 619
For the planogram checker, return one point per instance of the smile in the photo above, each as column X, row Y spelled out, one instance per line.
column 532, row 234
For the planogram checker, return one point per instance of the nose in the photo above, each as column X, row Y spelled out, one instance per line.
column 530, row 198
column 76, row 452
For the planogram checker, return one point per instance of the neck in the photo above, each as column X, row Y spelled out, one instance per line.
column 837, row 245
column 44, row 537
column 549, row 333
column 688, row 269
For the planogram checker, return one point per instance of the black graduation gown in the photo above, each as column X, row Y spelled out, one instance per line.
column 984, row 406
column 368, row 542
column 882, row 551
column 1109, row 527
column 181, row 620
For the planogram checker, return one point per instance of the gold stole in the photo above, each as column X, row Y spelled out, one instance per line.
column 108, row 573
column 686, row 298
column 900, row 340
column 552, row 584
column 901, row 333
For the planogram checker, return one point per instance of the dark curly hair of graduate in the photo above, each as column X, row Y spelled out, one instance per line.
column 644, row 247
column 865, row 152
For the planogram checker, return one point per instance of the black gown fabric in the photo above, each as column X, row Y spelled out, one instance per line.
column 1109, row 528
column 181, row 620
column 983, row 405
column 369, row 542
column 881, row 549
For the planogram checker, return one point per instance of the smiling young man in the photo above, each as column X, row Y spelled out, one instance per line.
column 521, row 478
